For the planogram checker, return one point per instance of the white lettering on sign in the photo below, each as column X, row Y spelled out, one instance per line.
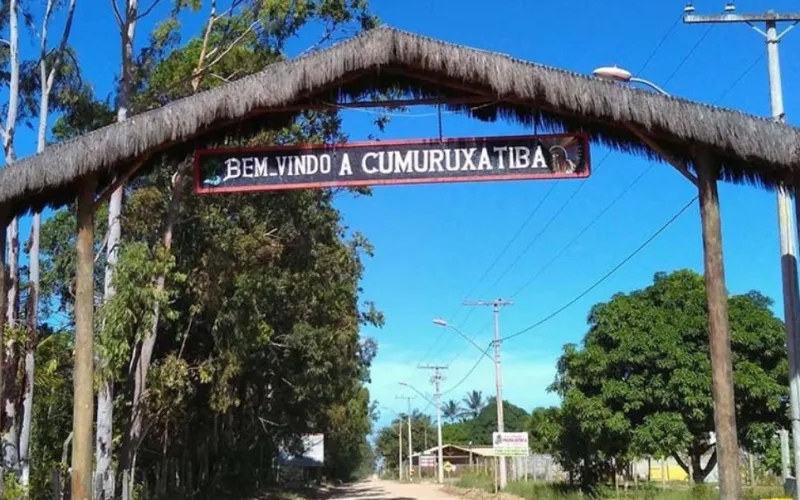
column 377, row 163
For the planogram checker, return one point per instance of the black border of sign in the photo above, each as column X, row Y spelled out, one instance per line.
column 198, row 189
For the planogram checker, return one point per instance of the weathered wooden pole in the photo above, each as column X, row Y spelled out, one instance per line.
column 730, row 487
column 83, row 405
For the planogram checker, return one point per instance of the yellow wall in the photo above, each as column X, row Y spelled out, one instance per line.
column 671, row 473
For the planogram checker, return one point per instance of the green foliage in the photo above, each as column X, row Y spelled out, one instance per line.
column 451, row 410
column 544, row 430
column 473, row 403
column 52, row 417
column 422, row 430
column 258, row 333
column 640, row 385
column 482, row 427
column 128, row 317
column 477, row 431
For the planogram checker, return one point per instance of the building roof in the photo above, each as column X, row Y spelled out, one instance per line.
column 484, row 451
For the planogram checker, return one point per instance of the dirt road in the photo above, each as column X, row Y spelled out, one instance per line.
column 386, row 490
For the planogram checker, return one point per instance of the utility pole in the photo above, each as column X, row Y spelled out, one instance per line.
column 498, row 373
column 410, row 449
column 400, row 450
column 437, row 379
column 791, row 296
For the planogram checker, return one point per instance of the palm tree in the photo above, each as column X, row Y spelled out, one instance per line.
column 451, row 410
column 475, row 403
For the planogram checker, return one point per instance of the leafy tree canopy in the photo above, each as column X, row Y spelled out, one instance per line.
column 641, row 382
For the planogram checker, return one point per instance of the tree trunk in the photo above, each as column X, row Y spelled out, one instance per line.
column 10, row 397
column 10, row 366
column 3, row 281
column 105, row 397
column 134, row 434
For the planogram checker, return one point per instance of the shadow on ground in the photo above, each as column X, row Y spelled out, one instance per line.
column 358, row 491
column 354, row 491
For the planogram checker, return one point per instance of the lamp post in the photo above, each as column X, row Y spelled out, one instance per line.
column 399, row 444
column 497, row 375
column 410, row 449
column 437, row 403
column 615, row 74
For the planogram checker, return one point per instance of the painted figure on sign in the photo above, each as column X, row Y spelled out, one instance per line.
column 561, row 161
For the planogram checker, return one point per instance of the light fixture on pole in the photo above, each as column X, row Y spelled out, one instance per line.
column 443, row 323
column 728, row 462
column 437, row 403
column 498, row 377
column 399, row 443
column 615, row 74
column 410, row 448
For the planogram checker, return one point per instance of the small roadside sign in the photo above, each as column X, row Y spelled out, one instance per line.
column 510, row 444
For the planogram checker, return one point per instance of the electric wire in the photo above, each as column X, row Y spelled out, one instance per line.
column 605, row 276
column 474, row 367
column 583, row 231
column 730, row 88
column 486, row 273
column 689, row 54
column 660, row 43
column 597, row 283
column 471, row 309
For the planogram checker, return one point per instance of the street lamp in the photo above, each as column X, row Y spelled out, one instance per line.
column 497, row 377
column 399, row 444
column 443, row 323
column 438, row 423
column 410, row 449
column 615, row 74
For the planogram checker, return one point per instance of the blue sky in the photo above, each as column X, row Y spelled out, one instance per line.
column 433, row 243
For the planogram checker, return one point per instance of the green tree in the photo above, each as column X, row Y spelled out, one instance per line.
column 260, row 312
column 640, row 384
column 544, row 430
column 451, row 410
column 422, row 431
column 482, row 427
column 474, row 403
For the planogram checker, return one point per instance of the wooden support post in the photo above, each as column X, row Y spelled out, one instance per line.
column 730, row 487
column 83, row 405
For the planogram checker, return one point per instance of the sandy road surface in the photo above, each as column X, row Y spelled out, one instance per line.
column 386, row 490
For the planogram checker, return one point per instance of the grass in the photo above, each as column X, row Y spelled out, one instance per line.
column 543, row 491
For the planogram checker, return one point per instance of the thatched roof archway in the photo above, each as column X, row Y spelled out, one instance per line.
column 749, row 149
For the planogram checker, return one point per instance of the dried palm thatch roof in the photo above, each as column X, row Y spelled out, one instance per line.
column 749, row 149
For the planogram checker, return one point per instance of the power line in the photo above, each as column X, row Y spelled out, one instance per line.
column 607, row 275
column 741, row 76
column 660, row 43
column 541, row 232
column 468, row 346
column 484, row 353
column 507, row 246
column 583, row 231
column 578, row 189
column 730, row 88
column 581, row 185
column 455, row 313
column 689, row 54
